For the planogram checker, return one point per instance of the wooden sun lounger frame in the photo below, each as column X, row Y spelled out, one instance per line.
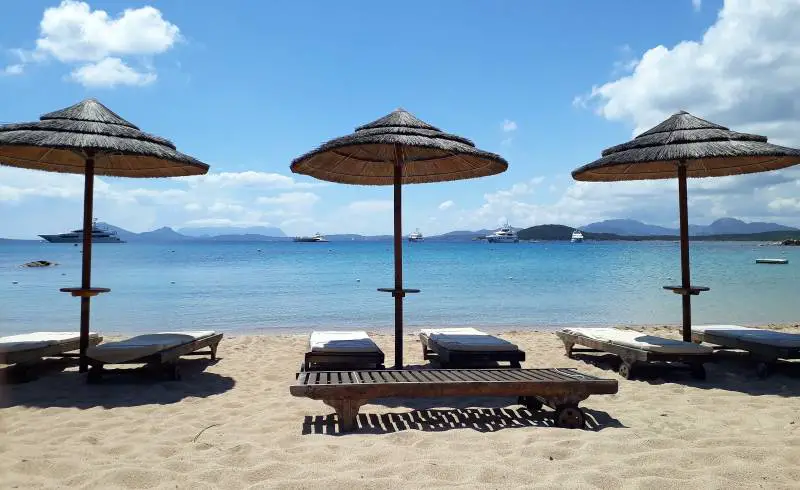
column 631, row 356
column 765, row 355
column 30, row 356
column 432, row 350
column 347, row 391
column 343, row 360
column 166, row 360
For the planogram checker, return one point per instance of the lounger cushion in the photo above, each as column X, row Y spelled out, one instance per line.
column 142, row 345
column 341, row 342
column 749, row 334
column 467, row 339
column 639, row 340
column 37, row 340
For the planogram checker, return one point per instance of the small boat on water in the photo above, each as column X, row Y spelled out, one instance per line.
column 577, row 236
column 99, row 235
column 772, row 261
column 503, row 235
column 311, row 239
column 416, row 236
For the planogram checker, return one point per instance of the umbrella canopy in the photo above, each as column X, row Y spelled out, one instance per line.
column 704, row 148
column 394, row 150
column 88, row 138
column 686, row 146
column 367, row 157
column 61, row 140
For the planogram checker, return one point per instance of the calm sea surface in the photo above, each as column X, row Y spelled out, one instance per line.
column 246, row 287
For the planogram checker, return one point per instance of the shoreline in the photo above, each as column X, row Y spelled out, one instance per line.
column 407, row 331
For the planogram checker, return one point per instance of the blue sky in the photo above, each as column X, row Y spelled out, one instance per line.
column 247, row 86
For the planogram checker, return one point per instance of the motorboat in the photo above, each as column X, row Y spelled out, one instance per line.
column 416, row 236
column 99, row 235
column 310, row 239
column 504, row 235
column 577, row 236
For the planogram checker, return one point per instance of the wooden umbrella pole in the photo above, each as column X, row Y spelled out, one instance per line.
column 684, row 229
column 86, row 271
column 398, row 258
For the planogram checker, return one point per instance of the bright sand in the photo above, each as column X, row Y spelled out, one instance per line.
column 233, row 424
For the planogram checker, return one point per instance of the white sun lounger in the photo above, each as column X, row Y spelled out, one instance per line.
column 467, row 346
column 636, row 347
column 332, row 349
column 764, row 346
column 30, row 347
column 163, row 349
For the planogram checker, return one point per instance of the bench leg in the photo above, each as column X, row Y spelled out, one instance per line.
column 346, row 411
column 214, row 351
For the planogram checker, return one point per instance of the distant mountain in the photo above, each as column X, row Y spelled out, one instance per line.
column 213, row 231
column 732, row 226
column 722, row 226
column 628, row 227
column 164, row 234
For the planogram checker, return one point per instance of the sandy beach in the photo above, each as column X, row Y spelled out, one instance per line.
column 233, row 424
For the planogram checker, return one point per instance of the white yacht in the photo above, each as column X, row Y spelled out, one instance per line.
column 577, row 236
column 416, row 236
column 99, row 235
column 503, row 235
column 316, row 238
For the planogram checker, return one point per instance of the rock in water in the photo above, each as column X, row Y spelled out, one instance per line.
column 39, row 263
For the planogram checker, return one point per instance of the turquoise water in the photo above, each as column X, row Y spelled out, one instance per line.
column 247, row 287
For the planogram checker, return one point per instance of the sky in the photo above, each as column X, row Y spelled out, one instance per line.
column 246, row 86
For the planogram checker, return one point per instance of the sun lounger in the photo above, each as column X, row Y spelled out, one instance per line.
column 342, row 350
column 635, row 348
column 461, row 347
column 159, row 349
column 30, row 347
column 347, row 391
column 764, row 346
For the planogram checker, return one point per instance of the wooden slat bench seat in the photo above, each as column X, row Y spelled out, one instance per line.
column 561, row 389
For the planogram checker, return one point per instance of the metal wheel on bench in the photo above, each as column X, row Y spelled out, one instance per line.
column 570, row 417
column 626, row 369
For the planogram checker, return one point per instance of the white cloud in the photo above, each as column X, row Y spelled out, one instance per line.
column 31, row 200
column 370, row 207
column 74, row 32
column 96, row 42
column 110, row 72
column 743, row 74
column 16, row 69
column 697, row 5
column 446, row 205
column 250, row 178
column 509, row 126
column 291, row 198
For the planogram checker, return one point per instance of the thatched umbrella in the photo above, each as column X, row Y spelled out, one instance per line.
column 88, row 138
column 394, row 150
column 687, row 146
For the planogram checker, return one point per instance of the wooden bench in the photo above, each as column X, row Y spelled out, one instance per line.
column 765, row 347
column 561, row 389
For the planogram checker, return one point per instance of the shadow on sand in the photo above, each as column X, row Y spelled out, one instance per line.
column 438, row 420
column 49, row 385
column 729, row 370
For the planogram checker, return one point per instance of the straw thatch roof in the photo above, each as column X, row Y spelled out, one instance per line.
column 61, row 141
column 367, row 156
column 708, row 150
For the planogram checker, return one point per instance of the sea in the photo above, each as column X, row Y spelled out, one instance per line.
column 296, row 287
